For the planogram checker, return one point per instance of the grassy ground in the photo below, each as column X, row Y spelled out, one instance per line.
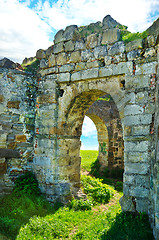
column 26, row 216
column 87, row 158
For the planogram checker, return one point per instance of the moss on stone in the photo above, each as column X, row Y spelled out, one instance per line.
column 32, row 66
column 127, row 36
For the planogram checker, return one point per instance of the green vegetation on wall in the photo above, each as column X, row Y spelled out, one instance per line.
column 128, row 36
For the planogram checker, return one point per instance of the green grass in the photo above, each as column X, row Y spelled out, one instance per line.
column 87, row 158
column 26, row 215
column 17, row 208
column 66, row 223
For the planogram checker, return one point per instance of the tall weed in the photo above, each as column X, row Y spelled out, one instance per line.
column 95, row 189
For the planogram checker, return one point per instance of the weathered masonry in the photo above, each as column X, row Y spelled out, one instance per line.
column 88, row 71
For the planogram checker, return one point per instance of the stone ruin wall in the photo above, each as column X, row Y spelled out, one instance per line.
column 74, row 73
column 17, row 123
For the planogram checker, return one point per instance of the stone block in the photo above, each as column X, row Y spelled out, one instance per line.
column 67, row 68
column 137, row 179
column 151, row 41
column 120, row 68
column 52, row 60
column 61, row 58
column 129, row 179
column 20, row 138
column 136, row 44
column 63, row 77
column 46, row 98
column 93, row 64
column 141, row 130
column 133, row 55
column 87, row 55
column 150, row 108
column 50, row 51
column 13, row 104
column 116, row 49
column 130, row 97
column 105, row 71
column 92, row 41
column 100, row 52
column 138, row 120
column 137, row 157
column 107, row 60
column 59, row 47
column 139, row 191
column 42, row 161
column 70, row 32
column 76, row 76
column 133, row 82
column 119, row 58
column 80, row 45
column 136, row 146
column 146, row 68
column 69, row 46
column 43, row 63
column 80, row 66
column 90, row 73
column 40, row 54
column 141, row 97
column 48, row 71
column 150, row 52
column 3, row 139
column 75, row 57
column 59, row 36
column 143, row 181
column 110, row 36
column 109, row 23
column 133, row 110
column 137, row 168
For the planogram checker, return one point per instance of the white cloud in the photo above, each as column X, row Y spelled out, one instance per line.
column 88, row 127
column 22, row 31
column 135, row 14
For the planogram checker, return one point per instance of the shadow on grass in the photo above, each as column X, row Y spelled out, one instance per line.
column 128, row 226
column 18, row 207
column 113, row 177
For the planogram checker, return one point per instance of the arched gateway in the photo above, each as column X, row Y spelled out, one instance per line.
column 84, row 67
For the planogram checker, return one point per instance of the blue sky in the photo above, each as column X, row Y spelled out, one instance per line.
column 89, row 135
column 29, row 25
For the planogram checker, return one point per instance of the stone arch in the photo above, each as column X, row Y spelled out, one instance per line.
column 73, row 105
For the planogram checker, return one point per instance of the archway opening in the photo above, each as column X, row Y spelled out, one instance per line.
column 74, row 105
column 89, row 138
column 105, row 115
column 108, row 124
column 89, row 145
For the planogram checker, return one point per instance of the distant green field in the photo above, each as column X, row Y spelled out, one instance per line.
column 87, row 158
